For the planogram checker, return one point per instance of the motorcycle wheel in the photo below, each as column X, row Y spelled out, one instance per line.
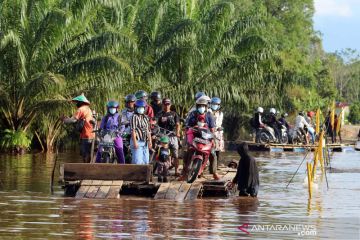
column 284, row 139
column 264, row 138
column 194, row 170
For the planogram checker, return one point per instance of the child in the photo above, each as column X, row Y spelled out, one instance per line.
column 163, row 159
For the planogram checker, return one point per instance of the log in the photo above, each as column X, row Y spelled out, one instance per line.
column 103, row 171
column 114, row 191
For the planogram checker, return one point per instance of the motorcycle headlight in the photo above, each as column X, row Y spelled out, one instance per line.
column 206, row 135
column 107, row 138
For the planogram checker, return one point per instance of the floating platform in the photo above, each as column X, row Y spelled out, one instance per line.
column 101, row 181
column 272, row 147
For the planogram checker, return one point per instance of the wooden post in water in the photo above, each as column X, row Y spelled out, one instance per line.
column 308, row 166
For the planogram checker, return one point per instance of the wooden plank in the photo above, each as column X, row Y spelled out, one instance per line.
column 82, row 191
column 161, row 192
column 92, row 192
column 173, row 190
column 193, row 191
column 106, row 183
column 86, row 182
column 114, row 191
column 103, row 192
column 183, row 190
column 117, row 183
column 103, row 171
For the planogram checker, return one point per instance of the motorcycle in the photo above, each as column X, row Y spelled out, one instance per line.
column 106, row 145
column 200, row 142
column 156, row 133
column 298, row 137
column 267, row 135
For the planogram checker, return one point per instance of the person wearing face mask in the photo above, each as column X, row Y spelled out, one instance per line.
column 84, row 116
column 193, row 121
column 218, row 116
column 149, row 111
column 126, row 115
column 156, row 102
column 112, row 122
column 140, row 142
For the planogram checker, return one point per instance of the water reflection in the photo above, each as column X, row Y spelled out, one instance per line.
column 29, row 211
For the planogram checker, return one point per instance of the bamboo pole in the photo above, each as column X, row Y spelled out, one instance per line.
column 308, row 166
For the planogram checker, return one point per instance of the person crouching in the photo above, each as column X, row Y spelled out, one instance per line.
column 163, row 159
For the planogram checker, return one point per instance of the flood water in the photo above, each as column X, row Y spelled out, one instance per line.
column 29, row 211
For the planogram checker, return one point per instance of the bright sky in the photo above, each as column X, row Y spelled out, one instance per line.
column 339, row 23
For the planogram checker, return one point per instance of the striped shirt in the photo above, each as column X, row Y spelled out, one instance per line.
column 141, row 125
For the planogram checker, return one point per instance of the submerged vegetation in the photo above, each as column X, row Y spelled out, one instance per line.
column 247, row 52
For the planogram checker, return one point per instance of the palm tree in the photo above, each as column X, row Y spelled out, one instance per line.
column 50, row 50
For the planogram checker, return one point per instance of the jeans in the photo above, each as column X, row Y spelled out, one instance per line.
column 312, row 134
column 119, row 151
column 140, row 155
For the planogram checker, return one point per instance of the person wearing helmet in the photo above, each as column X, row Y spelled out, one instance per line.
column 193, row 121
column 170, row 122
column 83, row 117
column 256, row 122
column 163, row 159
column 300, row 123
column 112, row 122
column 149, row 111
column 274, row 123
column 126, row 115
column 283, row 122
column 140, row 141
column 156, row 102
column 218, row 115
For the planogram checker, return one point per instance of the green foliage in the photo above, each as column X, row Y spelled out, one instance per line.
column 248, row 52
column 354, row 115
column 14, row 140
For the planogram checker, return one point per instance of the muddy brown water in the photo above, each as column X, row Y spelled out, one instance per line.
column 29, row 211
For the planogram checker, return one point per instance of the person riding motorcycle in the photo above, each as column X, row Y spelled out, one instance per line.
column 274, row 123
column 192, row 121
column 156, row 102
column 218, row 115
column 311, row 128
column 126, row 115
column 256, row 122
column 169, row 121
column 283, row 122
column 112, row 122
column 300, row 123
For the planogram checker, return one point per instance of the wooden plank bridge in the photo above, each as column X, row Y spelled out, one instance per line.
column 106, row 181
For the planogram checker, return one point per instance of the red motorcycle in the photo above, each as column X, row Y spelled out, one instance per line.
column 200, row 141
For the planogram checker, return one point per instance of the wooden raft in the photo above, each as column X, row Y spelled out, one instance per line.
column 180, row 191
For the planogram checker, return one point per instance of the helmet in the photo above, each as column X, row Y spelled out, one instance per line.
column 284, row 115
column 141, row 94
column 166, row 101
column 81, row 98
column 206, row 98
column 198, row 95
column 260, row 110
column 202, row 101
column 215, row 100
column 140, row 103
column 130, row 98
column 164, row 139
column 310, row 114
column 112, row 104
column 273, row 110
column 155, row 95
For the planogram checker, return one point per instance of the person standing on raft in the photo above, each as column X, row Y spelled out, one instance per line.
column 247, row 175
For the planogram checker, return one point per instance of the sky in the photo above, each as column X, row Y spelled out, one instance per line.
column 339, row 23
